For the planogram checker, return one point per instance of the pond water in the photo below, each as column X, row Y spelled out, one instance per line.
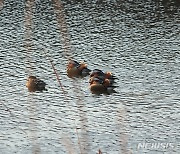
column 137, row 41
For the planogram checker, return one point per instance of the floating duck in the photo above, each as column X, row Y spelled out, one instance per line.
column 75, row 69
column 101, row 82
column 99, row 73
column 99, row 86
column 35, row 84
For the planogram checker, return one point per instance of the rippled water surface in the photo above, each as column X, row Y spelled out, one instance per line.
column 138, row 41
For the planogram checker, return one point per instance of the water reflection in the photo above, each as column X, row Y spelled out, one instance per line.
column 33, row 137
column 82, row 128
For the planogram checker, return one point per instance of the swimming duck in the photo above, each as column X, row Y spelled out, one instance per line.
column 99, row 86
column 75, row 69
column 99, row 73
column 35, row 84
column 106, row 81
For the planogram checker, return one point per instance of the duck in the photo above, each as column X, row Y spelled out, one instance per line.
column 101, row 75
column 76, row 69
column 106, row 81
column 99, row 86
column 34, row 84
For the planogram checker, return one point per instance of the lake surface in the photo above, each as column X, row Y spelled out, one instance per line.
column 137, row 41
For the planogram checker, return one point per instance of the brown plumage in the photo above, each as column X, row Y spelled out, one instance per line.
column 75, row 69
column 35, row 84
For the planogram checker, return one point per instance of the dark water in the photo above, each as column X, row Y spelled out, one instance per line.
column 138, row 41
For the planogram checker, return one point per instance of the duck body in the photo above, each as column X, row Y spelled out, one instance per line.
column 101, row 86
column 97, row 88
column 75, row 69
column 34, row 84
